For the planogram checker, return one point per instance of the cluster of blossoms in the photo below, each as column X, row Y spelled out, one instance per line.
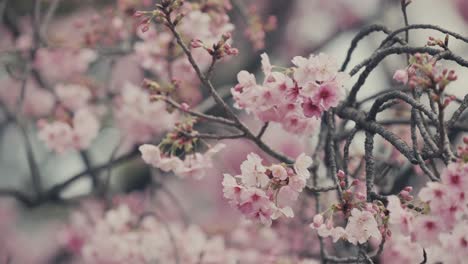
column 257, row 29
column 264, row 193
column 54, row 63
column 126, row 235
column 54, row 67
column 76, row 123
column 293, row 96
column 98, row 31
column 205, row 23
column 130, row 232
column 176, row 152
column 425, row 72
column 136, row 113
column 364, row 220
column 218, row 50
column 37, row 102
column 436, row 221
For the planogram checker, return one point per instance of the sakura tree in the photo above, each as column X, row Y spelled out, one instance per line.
column 224, row 131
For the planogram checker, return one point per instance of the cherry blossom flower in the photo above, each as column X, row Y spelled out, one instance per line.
column 328, row 230
column 122, row 236
column 57, row 136
column 401, row 76
column 456, row 243
column 426, row 230
column 194, row 165
column 435, row 222
column 85, row 128
column 400, row 219
column 279, row 172
column 73, row 96
column 362, row 226
column 264, row 193
column 302, row 164
column 62, row 136
column 318, row 221
column 253, row 172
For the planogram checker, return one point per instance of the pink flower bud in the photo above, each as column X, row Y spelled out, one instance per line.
column 145, row 28
column 342, row 184
column 184, row 106
column 232, row 52
column 196, row 43
column 318, row 221
column 341, row 175
column 138, row 14
column 227, row 36
column 401, row 76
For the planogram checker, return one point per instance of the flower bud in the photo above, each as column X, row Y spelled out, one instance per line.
column 401, row 76
column 196, row 43
column 340, row 174
column 226, row 36
column 138, row 14
column 342, row 184
column 232, row 52
column 184, row 106
column 318, row 221
column 144, row 28
column 355, row 182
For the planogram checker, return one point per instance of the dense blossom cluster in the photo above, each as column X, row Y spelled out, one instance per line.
column 264, row 193
column 193, row 165
column 77, row 133
column 123, row 235
column 364, row 220
column 257, row 29
column 55, row 66
column 291, row 97
column 157, row 53
column 135, row 113
column 177, row 152
column 424, row 71
column 436, row 220
column 129, row 233
column 76, row 123
column 37, row 102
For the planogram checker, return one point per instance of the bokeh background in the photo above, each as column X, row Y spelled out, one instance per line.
column 303, row 27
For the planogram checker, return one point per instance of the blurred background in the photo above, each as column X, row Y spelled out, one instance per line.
column 302, row 27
